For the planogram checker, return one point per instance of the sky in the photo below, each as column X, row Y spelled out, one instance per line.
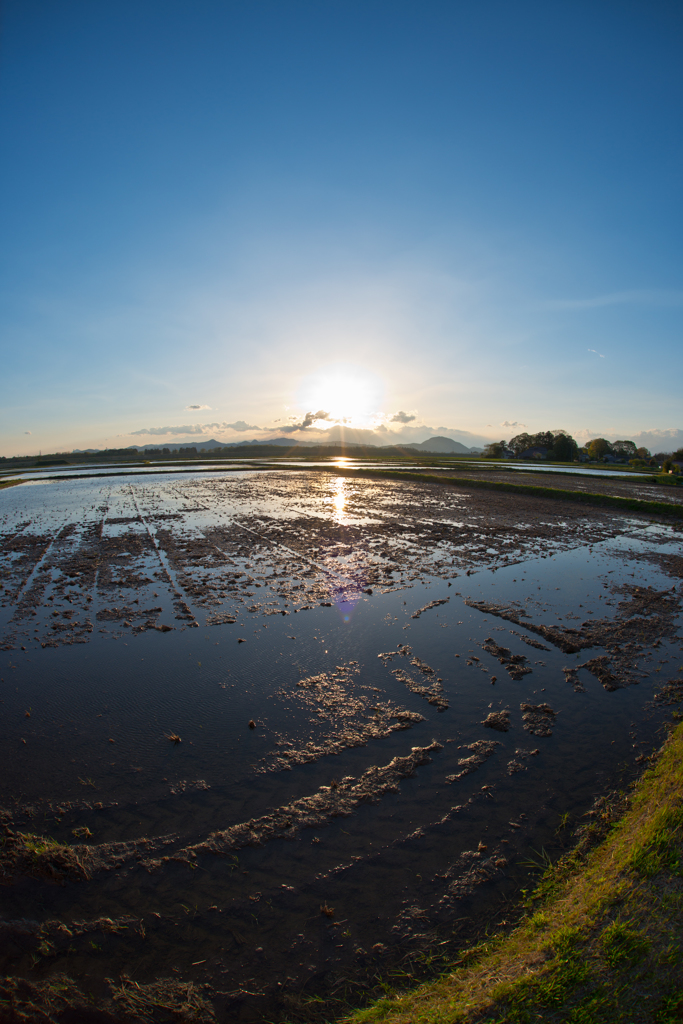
column 306, row 218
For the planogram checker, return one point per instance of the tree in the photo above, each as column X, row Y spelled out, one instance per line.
column 565, row 448
column 643, row 453
column 519, row 443
column 599, row 447
column 624, row 449
column 495, row 450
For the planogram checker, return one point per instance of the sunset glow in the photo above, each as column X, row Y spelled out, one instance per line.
column 347, row 394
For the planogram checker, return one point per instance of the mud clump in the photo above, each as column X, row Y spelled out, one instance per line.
column 517, row 764
column 600, row 668
column 571, row 675
column 432, row 692
column 538, row 719
column 24, row 855
column 670, row 693
column 481, row 751
column 432, row 604
column 59, row 998
column 317, row 810
column 645, row 617
column 498, row 720
column 516, row 664
column 32, row 856
column 347, row 713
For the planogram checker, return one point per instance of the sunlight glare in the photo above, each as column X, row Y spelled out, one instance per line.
column 348, row 394
column 339, row 500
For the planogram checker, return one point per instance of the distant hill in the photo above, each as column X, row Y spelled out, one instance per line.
column 199, row 442
column 438, row 445
column 442, row 445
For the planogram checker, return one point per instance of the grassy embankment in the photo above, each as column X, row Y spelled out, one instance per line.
column 602, row 939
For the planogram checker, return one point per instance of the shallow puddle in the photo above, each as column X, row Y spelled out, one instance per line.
column 299, row 727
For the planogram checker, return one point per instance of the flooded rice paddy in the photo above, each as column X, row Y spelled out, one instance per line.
column 296, row 731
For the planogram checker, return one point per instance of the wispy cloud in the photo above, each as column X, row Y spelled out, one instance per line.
column 595, row 351
column 636, row 296
column 187, row 428
column 27, row 431
column 309, row 419
column 402, row 417
column 507, row 423
column 189, row 407
column 196, row 428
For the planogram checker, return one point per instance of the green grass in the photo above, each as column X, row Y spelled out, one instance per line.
column 602, row 939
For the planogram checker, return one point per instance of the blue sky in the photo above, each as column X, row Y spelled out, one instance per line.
column 219, row 217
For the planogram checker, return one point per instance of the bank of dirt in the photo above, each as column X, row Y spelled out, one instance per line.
column 602, row 934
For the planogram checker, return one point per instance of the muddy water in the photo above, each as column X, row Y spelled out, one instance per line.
column 300, row 728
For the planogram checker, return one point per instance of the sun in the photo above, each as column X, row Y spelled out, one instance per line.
column 347, row 394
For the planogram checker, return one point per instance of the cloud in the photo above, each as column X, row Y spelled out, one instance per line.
column 642, row 296
column 654, row 438
column 195, row 428
column 239, row 425
column 27, row 431
column 192, row 428
column 596, row 352
column 308, row 420
column 188, row 407
column 401, row 417
column 507, row 423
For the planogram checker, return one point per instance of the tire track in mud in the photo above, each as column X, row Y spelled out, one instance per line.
column 29, row 580
column 177, row 590
column 21, row 595
column 345, row 582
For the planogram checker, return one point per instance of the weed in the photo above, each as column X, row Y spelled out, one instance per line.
column 661, row 849
column 623, row 946
column 540, row 861
column 670, row 1010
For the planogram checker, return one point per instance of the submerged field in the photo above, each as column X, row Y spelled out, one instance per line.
column 273, row 738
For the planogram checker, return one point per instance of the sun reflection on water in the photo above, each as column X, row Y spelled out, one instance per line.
column 339, row 499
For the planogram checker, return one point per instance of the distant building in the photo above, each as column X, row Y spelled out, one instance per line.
column 536, row 452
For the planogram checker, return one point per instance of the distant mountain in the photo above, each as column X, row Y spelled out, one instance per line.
column 287, row 442
column 199, row 442
column 438, row 445
column 442, row 445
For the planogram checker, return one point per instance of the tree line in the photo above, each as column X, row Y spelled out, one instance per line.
column 559, row 446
